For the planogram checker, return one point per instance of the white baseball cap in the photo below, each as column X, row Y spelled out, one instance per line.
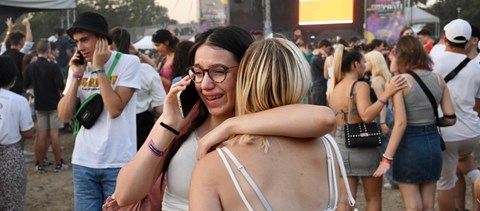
column 458, row 31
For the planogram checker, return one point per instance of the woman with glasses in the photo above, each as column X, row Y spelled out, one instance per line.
column 171, row 147
column 290, row 174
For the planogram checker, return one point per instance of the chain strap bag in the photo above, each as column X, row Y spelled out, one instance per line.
column 89, row 111
column 360, row 134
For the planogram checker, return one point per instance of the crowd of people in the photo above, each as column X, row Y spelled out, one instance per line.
column 252, row 93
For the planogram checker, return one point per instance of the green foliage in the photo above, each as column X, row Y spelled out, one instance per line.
column 446, row 10
column 125, row 13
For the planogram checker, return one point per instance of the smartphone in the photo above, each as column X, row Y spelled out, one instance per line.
column 80, row 60
column 187, row 99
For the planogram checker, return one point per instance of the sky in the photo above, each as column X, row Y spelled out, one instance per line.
column 184, row 11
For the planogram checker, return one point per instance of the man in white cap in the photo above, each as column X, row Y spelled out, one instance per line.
column 102, row 149
column 461, row 138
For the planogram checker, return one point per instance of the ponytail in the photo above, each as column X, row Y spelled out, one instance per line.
column 337, row 68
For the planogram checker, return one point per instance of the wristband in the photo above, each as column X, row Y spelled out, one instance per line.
column 98, row 71
column 386, row 157
column 154, row 149
column 171, row 129
column 77, row 76
column 386, row 161
column 382, row 102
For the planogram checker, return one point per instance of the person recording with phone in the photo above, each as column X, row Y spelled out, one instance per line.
column 214, row 57
column 101, row 150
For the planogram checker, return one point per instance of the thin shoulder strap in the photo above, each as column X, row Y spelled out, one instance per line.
column 249, row 179
column 329, row 143
column 352, row 101
column 234, row 179
column 428, row 93
column 457, row 69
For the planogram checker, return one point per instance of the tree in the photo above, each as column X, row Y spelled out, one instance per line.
column 125, row 13
column 447, row 10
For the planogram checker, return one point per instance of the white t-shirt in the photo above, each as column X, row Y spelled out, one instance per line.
column 179, row 173
column 151, row 93
column 437, row 49
column 110, row 143
column 477, row 59
column 464, row 89
column 15, row 116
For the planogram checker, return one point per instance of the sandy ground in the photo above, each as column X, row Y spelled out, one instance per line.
column 54, row 191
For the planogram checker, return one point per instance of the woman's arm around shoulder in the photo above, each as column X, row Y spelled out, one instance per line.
column 397, row 133
column 296, row 120
column 204, row 183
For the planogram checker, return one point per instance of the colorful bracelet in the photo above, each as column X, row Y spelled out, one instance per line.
column 171, row 129
column 98, row 71
column 382, row 102
column 77, row 76
column 154, row 149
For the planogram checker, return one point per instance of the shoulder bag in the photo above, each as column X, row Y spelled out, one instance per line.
column 433, row 102
column 89, row 111
column 360, row 134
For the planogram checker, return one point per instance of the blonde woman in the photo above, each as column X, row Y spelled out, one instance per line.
column 375, row 62
column 348, row 68
column 288, row 174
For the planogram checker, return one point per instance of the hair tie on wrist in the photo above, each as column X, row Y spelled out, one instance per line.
column 171, row 129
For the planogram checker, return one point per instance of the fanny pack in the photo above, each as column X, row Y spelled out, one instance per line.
column 89, row 111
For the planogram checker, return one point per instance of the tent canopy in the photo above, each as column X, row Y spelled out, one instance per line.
column 44, row 4
column 416, row 15
column 144, row 43
column 15, row 8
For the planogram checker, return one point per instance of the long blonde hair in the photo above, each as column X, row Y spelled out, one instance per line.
column 343, row 60
column 379, row 65
column 272, row 73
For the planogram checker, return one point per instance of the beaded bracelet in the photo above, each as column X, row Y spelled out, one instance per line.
column 171, row 129
column 154, row 149
column 77, row 76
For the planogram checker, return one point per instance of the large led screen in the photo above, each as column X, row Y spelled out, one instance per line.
column 313, row 12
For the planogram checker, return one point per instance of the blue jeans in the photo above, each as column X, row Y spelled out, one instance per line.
column 91, row 187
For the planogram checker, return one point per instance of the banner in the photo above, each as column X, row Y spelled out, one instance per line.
column 384, row 20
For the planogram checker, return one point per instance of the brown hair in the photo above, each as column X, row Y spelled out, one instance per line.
column 411, row 55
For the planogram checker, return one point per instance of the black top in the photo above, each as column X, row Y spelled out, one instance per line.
column 17, row 57
column 47, row 83
column 317, row 71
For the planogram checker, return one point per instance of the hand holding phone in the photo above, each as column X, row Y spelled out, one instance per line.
column 187, row 99
column 80, row 60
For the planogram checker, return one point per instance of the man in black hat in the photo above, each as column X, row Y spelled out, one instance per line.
column 110, row 143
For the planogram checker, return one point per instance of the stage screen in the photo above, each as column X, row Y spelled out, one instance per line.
column 313, row 12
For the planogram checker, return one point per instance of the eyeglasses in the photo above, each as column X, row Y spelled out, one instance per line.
column 216, row 72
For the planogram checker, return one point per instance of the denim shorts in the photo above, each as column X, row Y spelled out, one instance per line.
column 418, row 158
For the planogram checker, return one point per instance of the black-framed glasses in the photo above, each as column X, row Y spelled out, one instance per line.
column 216, row 72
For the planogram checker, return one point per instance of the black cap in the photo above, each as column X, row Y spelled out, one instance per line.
column 93, row 22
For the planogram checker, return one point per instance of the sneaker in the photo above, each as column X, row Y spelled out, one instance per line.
column 60, row 167
column 39, row 169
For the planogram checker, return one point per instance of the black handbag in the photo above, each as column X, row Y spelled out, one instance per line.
column 89, row 111
column 360, row 134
